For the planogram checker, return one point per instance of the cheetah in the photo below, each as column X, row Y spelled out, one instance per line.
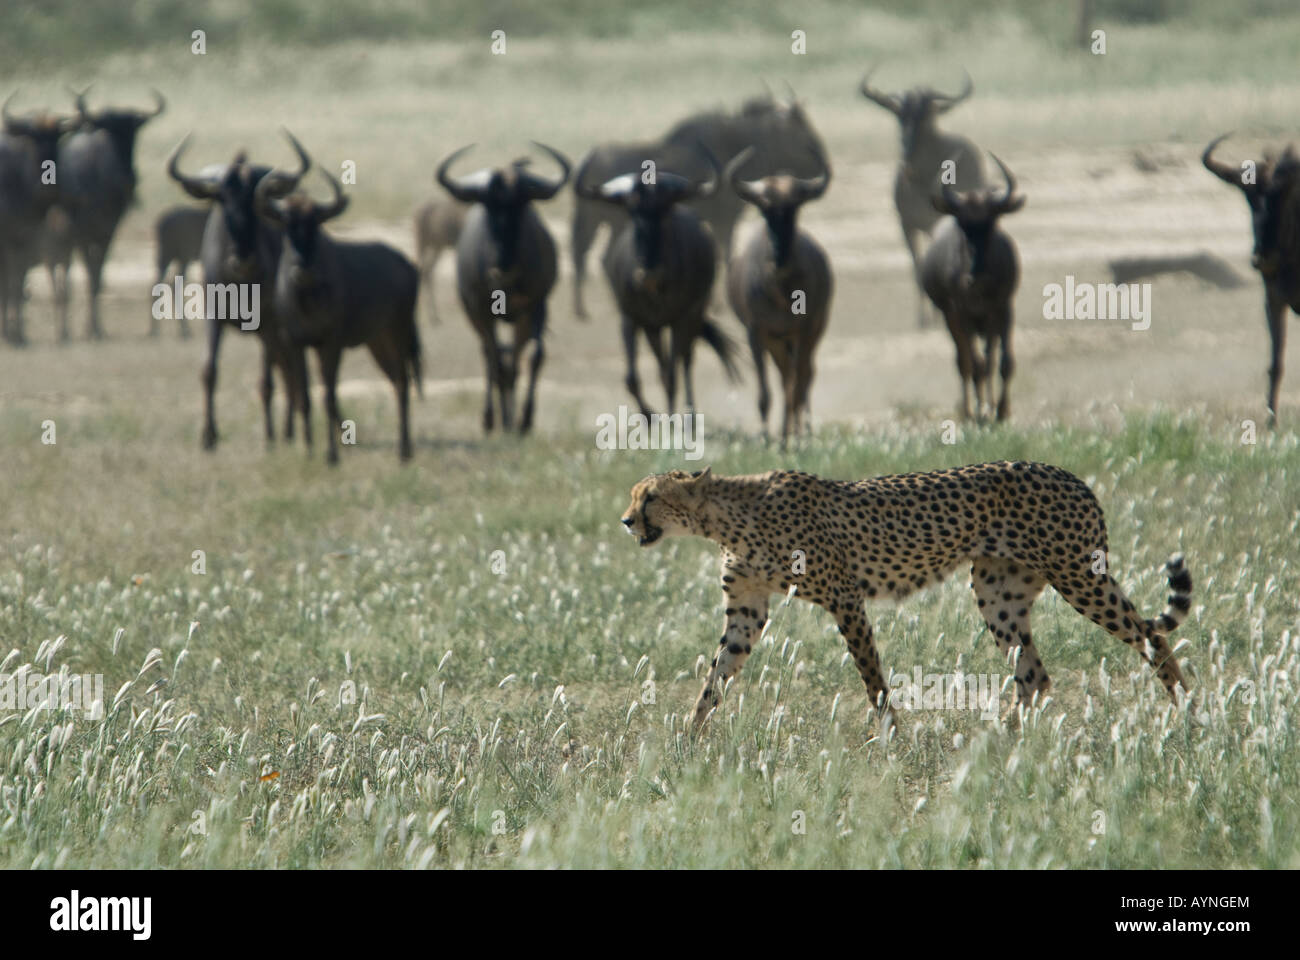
column 840, row 543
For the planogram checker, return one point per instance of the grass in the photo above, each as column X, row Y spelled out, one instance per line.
column 500, row 714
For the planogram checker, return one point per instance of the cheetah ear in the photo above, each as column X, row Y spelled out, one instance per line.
column 702, row 474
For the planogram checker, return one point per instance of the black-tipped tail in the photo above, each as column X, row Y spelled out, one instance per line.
column 723, row 346
column 1180, row 597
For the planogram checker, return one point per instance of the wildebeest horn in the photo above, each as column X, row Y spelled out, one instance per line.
column 1010, row 182
column 951, row 101
column 1223, row 171
column 159, row 100
column 885, row 100
column 465, row 189
column 814, row 187
column 336, row 206
column 278, row 182
column 751, row 190
column 946, row 200
column 80, row 100
column 538, row 187
column 707, row 187
column 264, row 201
column 790, row 90
column 201, row 188
column 8, row 117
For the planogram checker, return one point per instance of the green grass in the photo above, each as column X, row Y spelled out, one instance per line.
column 499, row 717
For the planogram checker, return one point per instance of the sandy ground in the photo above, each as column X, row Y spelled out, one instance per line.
column 1205, row 348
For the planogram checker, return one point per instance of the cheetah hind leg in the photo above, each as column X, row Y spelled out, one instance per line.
column 1005, row 592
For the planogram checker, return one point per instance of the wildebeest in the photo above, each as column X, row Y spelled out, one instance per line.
column 28, row 189
column 971, row 272
column 925, row 150
column 239, row 248
column 780, row 133
column 178, row 239
column 332, row 294
column 505, row 269
column 660, row 267
column 1275, row 221
column 780, row 286
column 97, row 183
column 437, row 226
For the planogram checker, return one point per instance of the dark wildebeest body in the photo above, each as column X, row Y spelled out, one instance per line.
column 925, row 151
column 96, row 185
column 334, row 294
column 178, row 239
column 661, row 267
column 438, row 224
column 505, row 269
column 971, row 272
column 239, row 248
column 779, row 284
column 28, row 190
column 780, row 134
column 1274, row 199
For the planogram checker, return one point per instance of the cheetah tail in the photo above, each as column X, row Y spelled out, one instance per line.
column 1180, row 597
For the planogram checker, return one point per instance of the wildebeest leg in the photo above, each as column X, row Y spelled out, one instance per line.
column 388, row 354
column 629, row 349
column 298, row 386
column 924, row 316
column 783, row 359
column 329, row 355
column 803, row 384
column 1275, row 307
column 585, row 224
column 183, row 323
column 11, row 297
column 535, row 333
column 669, row 371
column 164, row 261
column 59, row 285
column 757, row 347
column 492, row 365
column 688, row 357
column 267, row 389
column 94, row 253
column 209, row 378
column 965, row 368
column 1008, row 367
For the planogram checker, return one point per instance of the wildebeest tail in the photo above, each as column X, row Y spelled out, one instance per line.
column 723, row 346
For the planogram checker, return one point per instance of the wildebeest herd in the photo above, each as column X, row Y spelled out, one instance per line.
column 671, row 205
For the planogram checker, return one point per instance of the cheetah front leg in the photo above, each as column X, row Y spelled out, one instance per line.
column 858, row 634
column 746, row 614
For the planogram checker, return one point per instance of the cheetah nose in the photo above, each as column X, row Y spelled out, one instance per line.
column 627, row 521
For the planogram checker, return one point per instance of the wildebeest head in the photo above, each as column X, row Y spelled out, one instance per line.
column 915, row 108
column 505, row 193
column 977, row 213
column 1269, row 194
column 121, row 124
column 778, row 198
column 301, row 217
column 233, row 186
column 648, row 196
column 41, row 128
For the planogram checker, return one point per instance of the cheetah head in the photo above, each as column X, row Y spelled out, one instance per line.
column 665, row 505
